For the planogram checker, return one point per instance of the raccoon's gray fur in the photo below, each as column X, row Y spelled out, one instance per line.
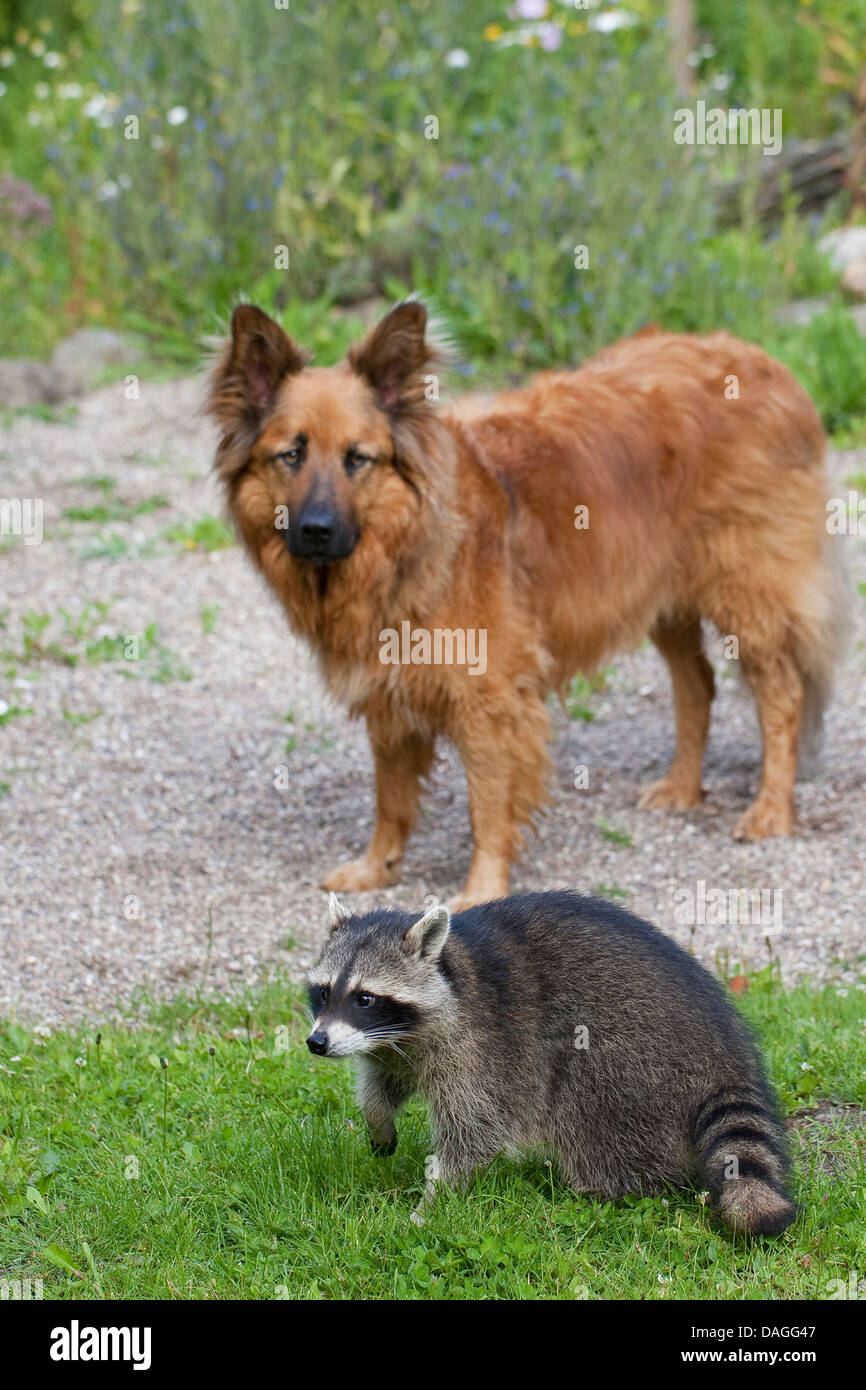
column 556, row 1021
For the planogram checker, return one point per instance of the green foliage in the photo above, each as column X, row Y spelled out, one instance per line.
column 829, row 357
column 784, row 53
column 259, row 134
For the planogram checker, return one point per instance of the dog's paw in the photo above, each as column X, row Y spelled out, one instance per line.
column 676, row 796
column 359, row 876
column 764, row 819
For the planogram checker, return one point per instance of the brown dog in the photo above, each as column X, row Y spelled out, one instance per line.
column 672, row 478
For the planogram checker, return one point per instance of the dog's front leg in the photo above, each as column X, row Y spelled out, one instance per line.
column 402, row 762
column 504, row 752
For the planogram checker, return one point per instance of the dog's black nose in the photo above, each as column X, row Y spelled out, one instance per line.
column 317, row 531
column 318, row 1043
column 321, row 535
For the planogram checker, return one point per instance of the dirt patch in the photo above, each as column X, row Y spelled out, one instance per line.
column 146, row 840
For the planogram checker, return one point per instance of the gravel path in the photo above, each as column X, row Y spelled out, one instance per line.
column 148, row 847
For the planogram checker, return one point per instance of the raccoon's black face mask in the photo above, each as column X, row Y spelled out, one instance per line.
column 374, row 979
column 357, row 1021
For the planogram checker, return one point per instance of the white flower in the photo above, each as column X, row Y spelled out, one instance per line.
column 42, row 1030
column 7, row 57
column 69, row 90
column 53, row 60
column 37, row 48
column 95, row 106
column 608, row 20
column 457, row 58
column 34, row 118
column 177, row 115
column 107, row 190
column 42, row 90
column 80, row 1062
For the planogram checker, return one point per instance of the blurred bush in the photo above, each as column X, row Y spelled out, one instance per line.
column 421, row 145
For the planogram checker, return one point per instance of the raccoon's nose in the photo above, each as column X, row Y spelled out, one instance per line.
column 318, row 1043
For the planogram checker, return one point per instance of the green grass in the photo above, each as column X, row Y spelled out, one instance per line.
column 203, row 1153
column 74, row 639
column 115, row 510
column 621, row 838
column 207, row 533
column 580, row 693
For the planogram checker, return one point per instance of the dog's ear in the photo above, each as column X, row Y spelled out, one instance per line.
column 393, row 356
column 259, row 357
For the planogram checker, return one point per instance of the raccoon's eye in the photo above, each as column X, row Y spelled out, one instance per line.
column 366, row 1001
column 324, row 992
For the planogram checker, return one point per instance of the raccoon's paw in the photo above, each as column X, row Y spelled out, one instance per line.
column 667, row 793
column 383, row 1148
column 763, row 819
column 360, row 876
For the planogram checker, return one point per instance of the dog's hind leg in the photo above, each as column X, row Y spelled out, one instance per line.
column 680, row 643
column 402, row 761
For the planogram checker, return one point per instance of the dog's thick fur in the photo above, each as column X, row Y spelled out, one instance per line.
column 700, row 463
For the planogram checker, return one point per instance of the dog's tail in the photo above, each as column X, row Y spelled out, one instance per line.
column 819, row 644
column 741, row 1148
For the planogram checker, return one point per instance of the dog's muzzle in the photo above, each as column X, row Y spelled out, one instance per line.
column 321, row 536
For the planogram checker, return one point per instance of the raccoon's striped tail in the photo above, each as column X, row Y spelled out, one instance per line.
column 740, row 1145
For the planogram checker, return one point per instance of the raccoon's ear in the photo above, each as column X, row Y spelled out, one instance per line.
column 259, row 356
column 426, row 937
column 338, row 913
column 393, row 356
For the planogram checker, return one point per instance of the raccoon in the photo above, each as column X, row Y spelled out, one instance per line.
column 560, row 1022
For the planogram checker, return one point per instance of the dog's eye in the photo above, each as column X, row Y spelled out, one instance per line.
column 292, row 456
column 355, row 460
column 366, row 1001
